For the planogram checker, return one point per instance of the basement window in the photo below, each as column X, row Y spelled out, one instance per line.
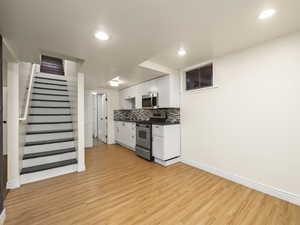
column 201, row 77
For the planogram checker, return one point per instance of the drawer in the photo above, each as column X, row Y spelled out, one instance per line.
column 158, row 130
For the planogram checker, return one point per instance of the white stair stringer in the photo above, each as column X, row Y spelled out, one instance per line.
column 50, row 147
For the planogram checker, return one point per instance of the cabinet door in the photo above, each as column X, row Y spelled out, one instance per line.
column 127, row 135
column 122, row 133
column 133, row 135
column 117, row 131
column 163, row 89
column 158, row 147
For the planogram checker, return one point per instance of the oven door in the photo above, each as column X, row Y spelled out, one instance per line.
column 147, row 101
column 143, row 135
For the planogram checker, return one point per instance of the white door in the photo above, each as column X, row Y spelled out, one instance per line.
column 102, row 111
column 95, row 116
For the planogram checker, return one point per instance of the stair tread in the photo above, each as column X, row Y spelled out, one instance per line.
column 52, row 89
column 48, row 166
column 49, row 131
column 48, row 153
column 36, row 93
column 46, row 83
column 49, row 114
column 51, row 107
column 32, row 143
column 50, row 79
column 46, row 100
column 40, row 123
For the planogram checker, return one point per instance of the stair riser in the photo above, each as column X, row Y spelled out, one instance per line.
column 48, row 147
column 46, row 174
column 49, row 127
column 47, row 97
column 50, row 81
column 42, row 103
column 52, row 76
column 48, row 159
column 50, row 86
column 49, row 118
column 49, row 91
column 49, row 111
column 45, row 137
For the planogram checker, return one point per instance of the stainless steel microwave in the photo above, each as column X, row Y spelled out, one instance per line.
column 150, row 101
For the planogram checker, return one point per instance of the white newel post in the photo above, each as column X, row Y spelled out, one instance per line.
column 80, row 123
column 13, row 150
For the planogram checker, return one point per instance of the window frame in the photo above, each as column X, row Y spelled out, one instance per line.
column 195, row 67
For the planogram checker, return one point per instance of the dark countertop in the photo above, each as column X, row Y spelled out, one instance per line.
column 148, row 122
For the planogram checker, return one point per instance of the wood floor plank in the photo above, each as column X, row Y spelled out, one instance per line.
column 119, row 188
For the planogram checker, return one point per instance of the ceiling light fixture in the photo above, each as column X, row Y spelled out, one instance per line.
column 181, row 52
column 266, row 14
column 102, row 36
column 115, row 82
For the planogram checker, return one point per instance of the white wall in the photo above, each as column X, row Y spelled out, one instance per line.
column 13, row 149
column 24, row 76
column 113, row 104
column 249, row 126
column 89, row 120
column 77, row 97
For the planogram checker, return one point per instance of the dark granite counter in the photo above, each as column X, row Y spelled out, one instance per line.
column 167, row 123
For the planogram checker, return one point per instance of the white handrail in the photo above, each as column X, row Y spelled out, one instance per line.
column 24, row 117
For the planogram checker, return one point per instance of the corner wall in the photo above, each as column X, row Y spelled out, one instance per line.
column 113, row 104
column 248, row 128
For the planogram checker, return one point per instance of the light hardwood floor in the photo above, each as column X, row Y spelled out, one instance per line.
column 120, row 188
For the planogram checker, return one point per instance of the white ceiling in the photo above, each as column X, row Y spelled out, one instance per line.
column 140, row 30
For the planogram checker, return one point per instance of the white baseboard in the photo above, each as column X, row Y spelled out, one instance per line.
column 166, row 163
column 13, row 184
column 278, row 193
column 2, row 217
column 80, row 168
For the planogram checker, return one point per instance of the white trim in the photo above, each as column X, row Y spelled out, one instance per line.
column 33, row 68
column 193, row 91
column 13, row 184
column 80, row 123
column 166, row 163
column 284, row 195
column 2, row 217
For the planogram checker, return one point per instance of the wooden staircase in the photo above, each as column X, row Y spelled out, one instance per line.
column 49, row 142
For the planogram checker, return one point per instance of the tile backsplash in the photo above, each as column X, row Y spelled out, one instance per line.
column 173, row 114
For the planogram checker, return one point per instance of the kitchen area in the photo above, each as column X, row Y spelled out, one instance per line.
column 148, row 121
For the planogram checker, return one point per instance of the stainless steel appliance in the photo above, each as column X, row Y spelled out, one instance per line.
column 144, row 135
column 150, row 101
column 144, row 140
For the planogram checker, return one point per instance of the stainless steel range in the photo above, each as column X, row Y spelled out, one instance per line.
column 144, row 140
column 144, row 135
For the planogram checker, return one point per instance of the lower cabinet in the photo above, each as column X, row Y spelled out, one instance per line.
column 125, row 134
column 166, row 141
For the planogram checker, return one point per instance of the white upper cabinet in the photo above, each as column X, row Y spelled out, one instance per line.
column 167, row 88
column 163, row 89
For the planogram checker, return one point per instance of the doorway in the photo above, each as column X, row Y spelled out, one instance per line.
column 3, row 167
column 100, row 118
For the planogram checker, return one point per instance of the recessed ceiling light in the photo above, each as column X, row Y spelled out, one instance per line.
column 114, row 83
column 266, row 14
column 181, row 52
column 102, row 36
